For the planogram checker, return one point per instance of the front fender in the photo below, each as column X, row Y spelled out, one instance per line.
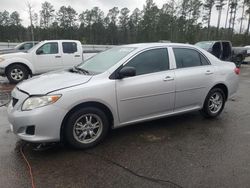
column 23, row 61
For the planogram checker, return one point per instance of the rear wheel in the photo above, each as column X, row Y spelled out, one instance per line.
column 86, row 127
column 17, row 73
column 214, row 103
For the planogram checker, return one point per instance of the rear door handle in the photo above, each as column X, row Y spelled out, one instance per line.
column 58, row 56
column 77, row 55
column 168, row 78
column 208, row 72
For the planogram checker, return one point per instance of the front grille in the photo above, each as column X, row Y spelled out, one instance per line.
column 14, row 101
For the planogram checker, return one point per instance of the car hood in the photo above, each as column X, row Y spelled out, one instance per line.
column 8, row 51
column 13, row 54
column 46, row 83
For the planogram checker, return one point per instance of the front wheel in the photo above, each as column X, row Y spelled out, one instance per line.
column 17, row 73
column 86, row 127
column 214, row 103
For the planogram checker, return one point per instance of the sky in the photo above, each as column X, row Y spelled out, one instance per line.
column 105, row 5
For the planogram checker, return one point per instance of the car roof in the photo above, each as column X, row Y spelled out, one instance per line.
column 213, row 41
column 29, row 42
column 61, row 40
column 157, row 44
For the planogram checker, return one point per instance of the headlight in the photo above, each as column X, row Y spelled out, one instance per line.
column 39, row 101
column 1, row 59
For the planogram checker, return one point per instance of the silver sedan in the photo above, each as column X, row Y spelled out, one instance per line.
column 121, row 86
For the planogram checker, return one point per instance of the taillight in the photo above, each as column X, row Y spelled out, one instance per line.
column 237, row 70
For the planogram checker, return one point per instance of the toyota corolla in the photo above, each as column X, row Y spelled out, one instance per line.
column 121, row 86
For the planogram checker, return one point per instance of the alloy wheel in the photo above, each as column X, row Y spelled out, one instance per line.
column 87, row 128
column 215, row 102
column 17, row 74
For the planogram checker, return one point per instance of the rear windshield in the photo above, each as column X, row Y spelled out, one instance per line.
column 105, row 60
column 205, row 45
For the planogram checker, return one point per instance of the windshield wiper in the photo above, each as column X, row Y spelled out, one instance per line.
column 78, row 69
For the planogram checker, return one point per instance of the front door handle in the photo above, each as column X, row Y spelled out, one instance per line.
column 57, row 56
column 168, row 78
column 77, row 55
column 208, row 72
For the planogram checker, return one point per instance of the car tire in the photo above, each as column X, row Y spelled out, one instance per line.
column 214, row 103
column 86, row 128
column 17, row 73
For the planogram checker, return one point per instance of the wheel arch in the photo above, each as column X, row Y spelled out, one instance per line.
column 223, row 87
column 99, row 105
column 19, row 63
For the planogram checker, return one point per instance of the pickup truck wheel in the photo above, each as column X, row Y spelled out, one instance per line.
column 86, row 128
column 17, row 73
column 214, row 103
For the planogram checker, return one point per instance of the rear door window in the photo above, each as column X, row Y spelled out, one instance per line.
column 69, row 47
column 185, row 57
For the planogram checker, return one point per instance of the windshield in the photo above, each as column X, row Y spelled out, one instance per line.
column 17, row 46
column 105, row 60
column 33, row 47
column 204, row 45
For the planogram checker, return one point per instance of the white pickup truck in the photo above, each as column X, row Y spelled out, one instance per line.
column 44, row 57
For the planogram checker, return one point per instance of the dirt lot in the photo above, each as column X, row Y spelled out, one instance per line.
column 185, row 151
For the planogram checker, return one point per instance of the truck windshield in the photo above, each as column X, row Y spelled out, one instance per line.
column 204, row 45
column 33, row 47
column 105, row 60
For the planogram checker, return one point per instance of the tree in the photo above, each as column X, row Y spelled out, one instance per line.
column 5, row 18
column 31, row 18
column 195, row 10
column 92, row 25
column 66, row 17
column 112, row 30
column 112, row 14
column 46, row 15
column 208, row 6
column 15, row 19
column 97, row 15
column 165, row 26
column 178, row 21
column 228, row 7
column 97, row 28
column 234, row 5
column 123, row 23
column 149, row 21
column 242, row 15
column 15, row 25
column 219, row 7
column 248, row 13
column 134, row 20
column 169, row 13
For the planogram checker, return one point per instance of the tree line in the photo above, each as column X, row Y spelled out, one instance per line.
column 186, row 21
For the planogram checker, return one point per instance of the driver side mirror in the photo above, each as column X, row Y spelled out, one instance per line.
column 39, row 51
column 127, row 72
